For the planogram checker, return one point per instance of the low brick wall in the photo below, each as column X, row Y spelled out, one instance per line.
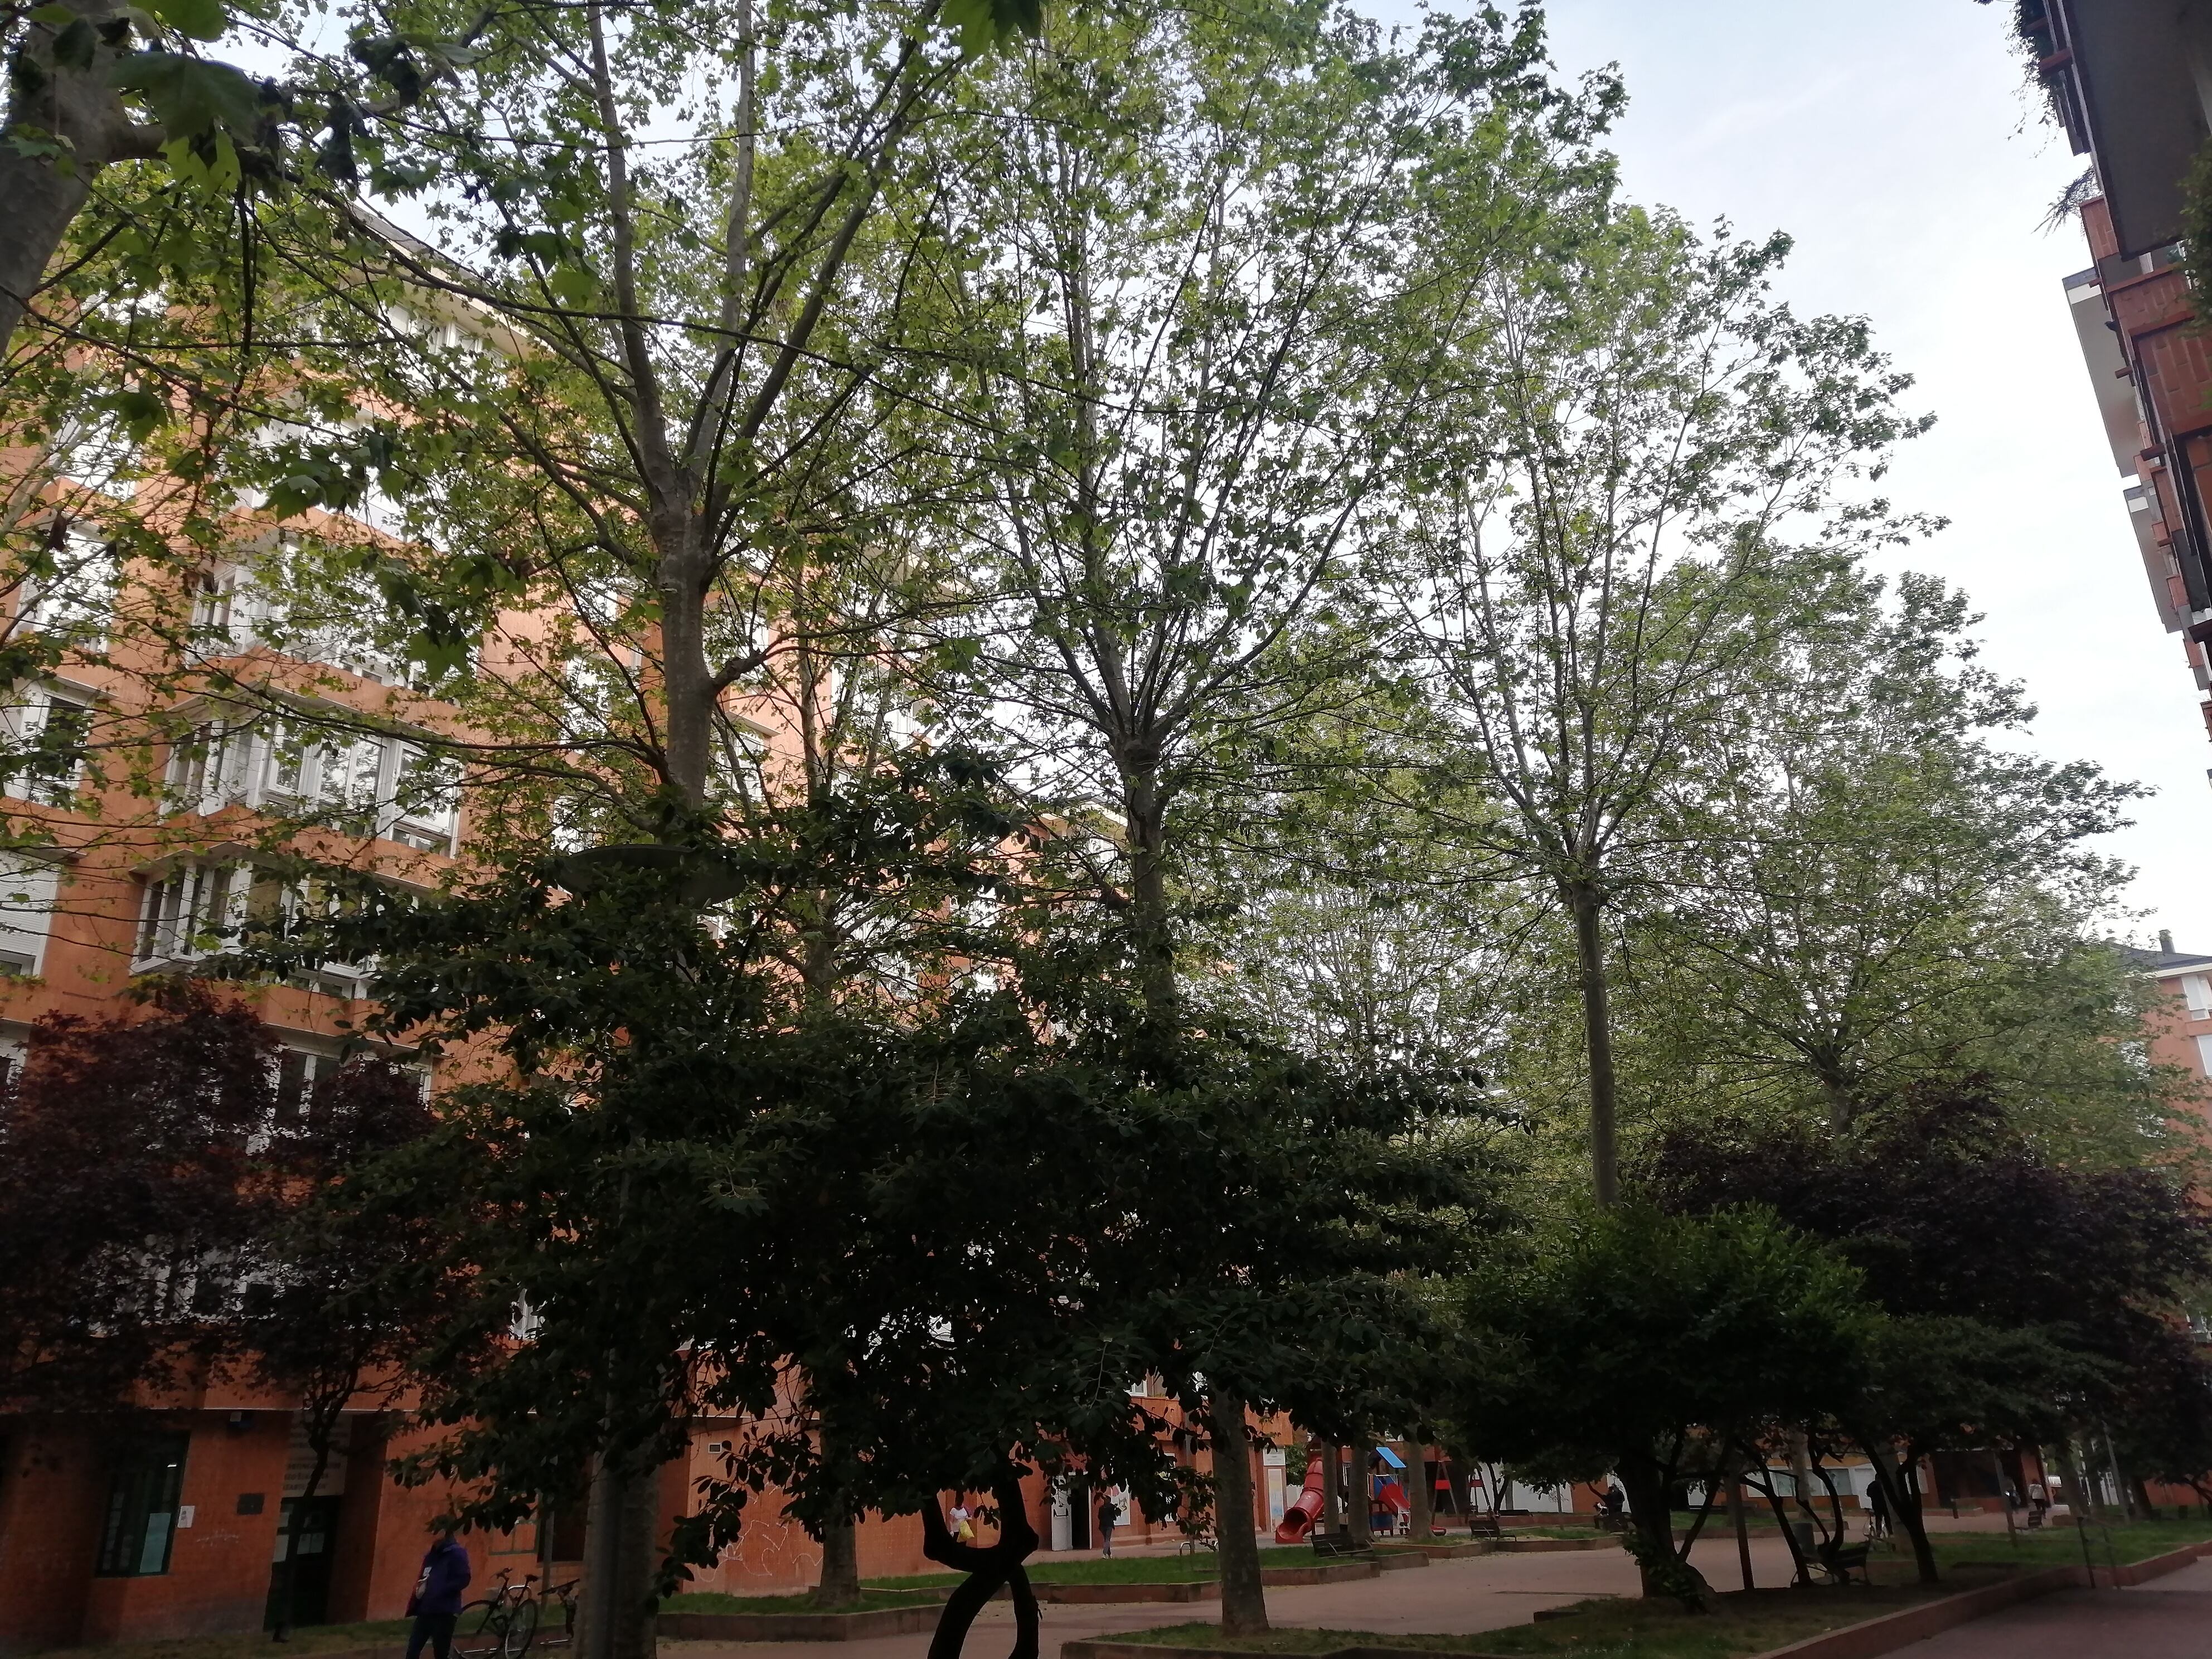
column 797, row 1627
column 1548, row 1545
column 1197, row 1590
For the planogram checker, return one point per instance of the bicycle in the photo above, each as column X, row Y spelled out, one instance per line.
column 501, row 1625
column 566, row 1596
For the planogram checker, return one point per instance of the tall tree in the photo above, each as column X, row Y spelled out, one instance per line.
column 1599, row 559
column 1187, row 372
column 1883, row 893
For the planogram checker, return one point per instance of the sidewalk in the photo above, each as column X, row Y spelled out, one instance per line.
column 2169, row 1618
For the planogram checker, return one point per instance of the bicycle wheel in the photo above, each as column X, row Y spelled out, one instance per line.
column 521, row 1625
column 481, row 1630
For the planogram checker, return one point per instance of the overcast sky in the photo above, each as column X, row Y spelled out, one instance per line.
column 1894, row 140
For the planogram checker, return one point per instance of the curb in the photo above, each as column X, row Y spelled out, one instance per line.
column 1549, row 1546
column 1103, row 1649
column 1189, row 1589
column 794, row 1626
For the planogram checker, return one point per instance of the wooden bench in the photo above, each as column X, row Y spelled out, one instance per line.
column 1329, row 1545
column 1839, row 1561
column 1485, row 1526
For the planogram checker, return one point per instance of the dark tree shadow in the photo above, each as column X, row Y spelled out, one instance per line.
column 986, row 1569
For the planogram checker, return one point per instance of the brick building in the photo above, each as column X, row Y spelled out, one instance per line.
column 2131, row 82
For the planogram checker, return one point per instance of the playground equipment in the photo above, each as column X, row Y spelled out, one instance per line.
column 1299, row 1518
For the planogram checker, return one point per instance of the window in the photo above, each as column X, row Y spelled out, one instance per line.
column 52, row 740
column 298, row 1073
column 2204, row 1055
column 140, row 1522
column 204, row 766
column 426, row 800
column 347, row 772
column 187, row 912
column 27, row 906
column 2197, row 994
column 75, row 595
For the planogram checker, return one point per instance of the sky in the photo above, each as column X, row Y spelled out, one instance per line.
column 1897, row 142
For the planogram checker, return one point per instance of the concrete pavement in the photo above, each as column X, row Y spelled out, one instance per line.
column 2169, row 1618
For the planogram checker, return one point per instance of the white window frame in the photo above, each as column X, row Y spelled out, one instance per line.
column 30, row 889
column 79, row 599
column 2197, row 995
column 2204, row 1054
column 187, row 905
column 26, row 723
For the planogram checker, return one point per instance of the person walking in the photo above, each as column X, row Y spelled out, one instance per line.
column 436, row 1603
column 2039, row 1503
column 1108, row 1518
column 963, row 1524
column 1877, row 1511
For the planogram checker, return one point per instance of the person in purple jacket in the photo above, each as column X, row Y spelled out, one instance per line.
column 436, row 1603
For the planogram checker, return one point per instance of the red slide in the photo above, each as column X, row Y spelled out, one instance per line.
column 1298, row 1519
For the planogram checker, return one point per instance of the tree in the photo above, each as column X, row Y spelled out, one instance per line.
column 714, row 1191
column 1882, row 894
column 93, row 84
column 2022, row 1292
column 1651, row 1344
column 139, row 1195
column 1596, row 561
column 1181, row 356
column 321, row 1319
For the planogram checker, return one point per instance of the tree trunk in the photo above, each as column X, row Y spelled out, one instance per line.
column 41, row 194
column 1243, row 1597
column 615, row 1619
column 1148, row 886
column 840, row 1585
column 1902, row 1488
column 1742, row 1521
column 318, row 1440
column 2126, row 1498
column 1583, row 903
column 1656, row 1558
column 1332, row 1488
column 1420, row 1508
column 2080, row 1498
column 1359, row 1494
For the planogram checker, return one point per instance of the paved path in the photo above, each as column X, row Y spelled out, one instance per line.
column 2169, row 1618
column 1480, row 1593
column 1484, row 1592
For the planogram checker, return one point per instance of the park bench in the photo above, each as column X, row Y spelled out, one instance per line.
column 1485, row 1526
column 1327, row 1545
column 1840, row 1560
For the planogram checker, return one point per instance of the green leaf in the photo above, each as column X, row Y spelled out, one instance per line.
column 572, row 285
column 196, row 19
column 75, row 45
column 984, row 23
column 190, row 97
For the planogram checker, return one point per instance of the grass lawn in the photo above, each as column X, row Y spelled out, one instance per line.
column 872, row 1598
column 306, row 1639
column 1118, row 1570
column 2054, row 1546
